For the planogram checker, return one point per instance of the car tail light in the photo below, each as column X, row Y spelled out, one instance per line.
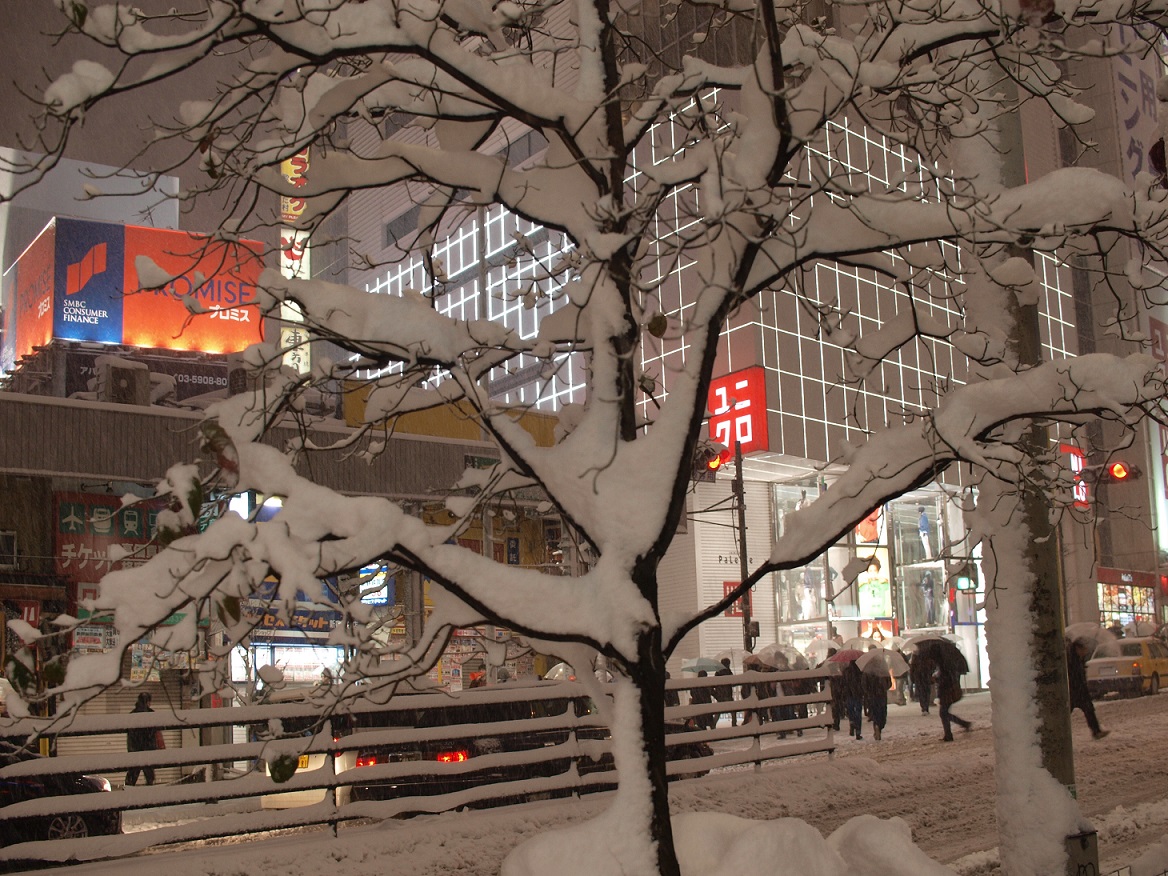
column 1136, row 669
column 366, row 759
column 452, row 756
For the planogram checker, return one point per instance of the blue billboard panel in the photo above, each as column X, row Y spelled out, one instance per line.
column 89, row 287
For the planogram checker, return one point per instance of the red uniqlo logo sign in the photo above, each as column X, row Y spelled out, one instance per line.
column 738, row 410
column 30, row 612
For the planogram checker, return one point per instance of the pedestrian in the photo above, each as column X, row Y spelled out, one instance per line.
column 951, row 666
column 672, row 698
column 920, row 673
column 141, row 739
column 901, row 681
column 724, row 693
column 875, row 687
column 837, row 689
column 851, row 682
column 1080, row 694
column 700, row 696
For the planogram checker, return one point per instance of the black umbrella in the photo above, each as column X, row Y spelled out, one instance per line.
column 946, row 654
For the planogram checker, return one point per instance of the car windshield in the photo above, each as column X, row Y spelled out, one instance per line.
column 1131, row 649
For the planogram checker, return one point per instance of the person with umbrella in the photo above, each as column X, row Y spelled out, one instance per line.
column 851, row 687
column 876, row 682
column 1077, row 655
column 724, row 693
column 920, row 673
column 837, row 691
column 702, row 696
column 951, row 665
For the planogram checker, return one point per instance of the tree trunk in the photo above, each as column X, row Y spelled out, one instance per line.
column 648, row 676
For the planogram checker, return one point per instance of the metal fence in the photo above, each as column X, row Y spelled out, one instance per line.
column 557, row 752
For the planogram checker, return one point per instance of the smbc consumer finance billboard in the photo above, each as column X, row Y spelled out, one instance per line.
column 78, row 281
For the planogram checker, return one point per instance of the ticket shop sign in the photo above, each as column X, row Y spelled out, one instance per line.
column 89, row 524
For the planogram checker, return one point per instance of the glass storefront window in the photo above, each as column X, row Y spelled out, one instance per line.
column 1125, row 603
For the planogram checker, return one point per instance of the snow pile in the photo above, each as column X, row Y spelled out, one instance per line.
column 712, row 844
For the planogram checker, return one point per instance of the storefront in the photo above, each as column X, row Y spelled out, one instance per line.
column 1126, row 596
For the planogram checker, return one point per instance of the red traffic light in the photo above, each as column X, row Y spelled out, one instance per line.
column 715, row 460
column 1122, row 471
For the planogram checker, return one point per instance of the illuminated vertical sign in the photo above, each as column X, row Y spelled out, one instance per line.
column 295, row 263
column 1077, row 463
column 738, row 410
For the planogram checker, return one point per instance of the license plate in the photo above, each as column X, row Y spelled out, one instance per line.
column 302, row 762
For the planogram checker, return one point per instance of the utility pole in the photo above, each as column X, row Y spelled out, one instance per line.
column 743, row 564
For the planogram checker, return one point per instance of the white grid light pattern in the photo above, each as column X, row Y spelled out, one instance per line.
column 477, row 255
column 483, row 254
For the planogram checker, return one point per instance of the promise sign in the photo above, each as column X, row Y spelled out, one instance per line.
column 78, row 281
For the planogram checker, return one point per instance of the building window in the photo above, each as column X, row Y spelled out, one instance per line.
column 7, row 550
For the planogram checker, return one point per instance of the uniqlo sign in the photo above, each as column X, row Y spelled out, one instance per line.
column 738, row 410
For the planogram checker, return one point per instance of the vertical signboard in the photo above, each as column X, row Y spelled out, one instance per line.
column 295, row 263
column 89, row 281
column 738, row 410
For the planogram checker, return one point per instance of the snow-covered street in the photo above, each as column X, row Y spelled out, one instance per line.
column 944, row 791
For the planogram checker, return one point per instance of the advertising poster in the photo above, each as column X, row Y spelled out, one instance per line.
column 88, row 524
column 190, row 378
column 88, row 281
column 221, row 278
column 873, row 587
column 28, row 285
column 78, row 281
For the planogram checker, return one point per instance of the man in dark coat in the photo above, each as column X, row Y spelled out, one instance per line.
column 920, row 673
column 702, row 696
column 875, row 687
column 141, row 739
column 1080, row 694
column 851, row 683
column 724, row 693
column 951, row 665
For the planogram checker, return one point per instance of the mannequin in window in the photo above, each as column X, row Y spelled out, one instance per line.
column 923, row 528
column 929, row 592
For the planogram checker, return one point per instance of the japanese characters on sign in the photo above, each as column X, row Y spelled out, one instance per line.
column 295, row 263
column 1077, row 462
column 738, row 410
column 79, row 281
column 1158, row 333
column 1135, row 102
column 89, row 524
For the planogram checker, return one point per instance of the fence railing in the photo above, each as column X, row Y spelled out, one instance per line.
column 427, row 752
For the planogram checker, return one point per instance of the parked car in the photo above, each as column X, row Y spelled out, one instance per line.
column 61, row 824
column 1130, row 667
column 465, row 730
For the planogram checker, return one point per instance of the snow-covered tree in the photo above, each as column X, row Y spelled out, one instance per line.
column 757, row 198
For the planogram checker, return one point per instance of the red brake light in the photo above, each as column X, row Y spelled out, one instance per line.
column 452, row 756
column 1136, row 669
column 366, row 759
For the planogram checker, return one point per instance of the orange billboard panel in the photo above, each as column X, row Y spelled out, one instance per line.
column 209, row 306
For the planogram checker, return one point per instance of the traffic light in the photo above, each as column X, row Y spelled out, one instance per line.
column 708, row 458
column 1120, row 470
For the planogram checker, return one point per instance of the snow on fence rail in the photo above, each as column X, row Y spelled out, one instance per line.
column 417, row 752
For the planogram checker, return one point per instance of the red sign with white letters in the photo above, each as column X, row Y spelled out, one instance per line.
column 738, row 410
